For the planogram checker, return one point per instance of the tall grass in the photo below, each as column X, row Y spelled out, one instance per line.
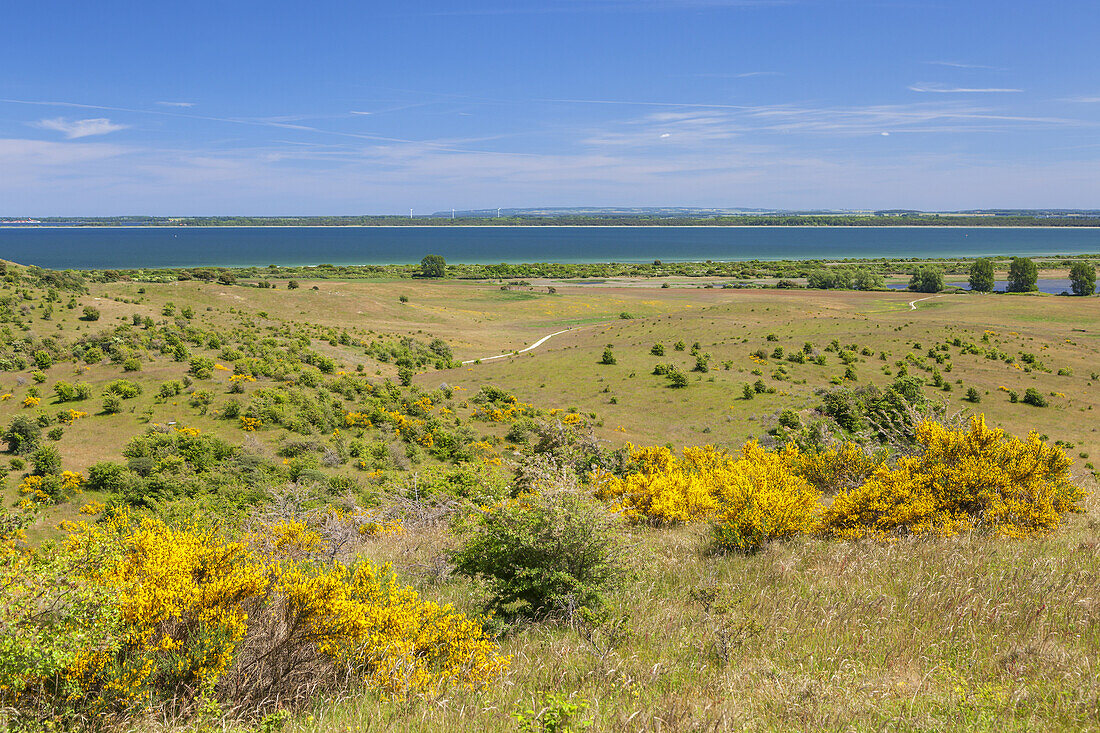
column 968, row 633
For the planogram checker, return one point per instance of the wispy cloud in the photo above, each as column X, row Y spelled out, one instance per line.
column 1082, row 100
column 176, row 104
column 611, row 6
column 958, row 65
column 731, row 75
column 936, row 88
column 73, row 129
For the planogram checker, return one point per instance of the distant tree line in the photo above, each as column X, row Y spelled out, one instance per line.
column 763, row 220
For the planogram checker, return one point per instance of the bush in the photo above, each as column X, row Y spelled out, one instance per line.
column 676, row 378
column 46, row 461
column 608, row 356
column 763, row 500
column 123, row 388
column 201, row 367
column 22, row 435
column 90, row 314
column 165, row 613
column 972, row 395
column 963, row 479
column 131, row 365
column 1034, row 398
column 544, row 554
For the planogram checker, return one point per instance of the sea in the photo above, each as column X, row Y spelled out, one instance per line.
column 150, row 247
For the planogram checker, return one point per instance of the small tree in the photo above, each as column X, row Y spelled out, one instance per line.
column 1022, row 274
column 91, row 313
column 433, row 266
column 292, row 285
column 981, row 276
column 926, row 280
column 608, row 355
column 1082, row 278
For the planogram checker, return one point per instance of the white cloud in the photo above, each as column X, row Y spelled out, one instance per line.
column 957, row 65
column 73, row 129
column 176, row 104
column 1082, row 100
column 927, row 86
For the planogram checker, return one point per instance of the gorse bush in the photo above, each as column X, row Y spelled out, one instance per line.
column 764, row 500
column 754, row 497
column 153, row 614
column 970, row 478
column 963, row 479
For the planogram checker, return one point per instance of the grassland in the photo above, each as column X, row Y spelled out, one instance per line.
column 973, row 632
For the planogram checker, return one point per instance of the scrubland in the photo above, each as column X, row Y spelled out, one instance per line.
column 230, row 507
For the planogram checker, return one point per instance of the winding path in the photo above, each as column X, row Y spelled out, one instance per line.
column 540, row 342
column 913, row 303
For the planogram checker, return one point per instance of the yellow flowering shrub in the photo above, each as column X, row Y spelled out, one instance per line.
column 664, row 489
column 31, row 402
column 832, row 469
column 71, row 416
column 247, row 620
column 763, row 500
column 963, row 478
column 754, row 497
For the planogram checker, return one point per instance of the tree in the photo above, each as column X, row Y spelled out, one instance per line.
column 91, row 313
column 433, row 266
column 867, row 280
column 981, row 276
column 926, row 280
column 1022, row 274
column 292, row 285
column 1082, row 278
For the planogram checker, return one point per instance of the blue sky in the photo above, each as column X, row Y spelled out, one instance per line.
column 374, row 107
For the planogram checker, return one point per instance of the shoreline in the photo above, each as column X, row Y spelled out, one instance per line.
column 536, row 226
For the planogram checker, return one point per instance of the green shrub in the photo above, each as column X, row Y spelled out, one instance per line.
column 22, row 435
column 123, row 388
column 544, row 555
column 1032, row 397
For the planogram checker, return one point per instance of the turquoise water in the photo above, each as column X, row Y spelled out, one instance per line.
column 86, row 248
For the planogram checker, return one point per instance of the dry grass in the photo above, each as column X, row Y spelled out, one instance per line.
column 973, row 633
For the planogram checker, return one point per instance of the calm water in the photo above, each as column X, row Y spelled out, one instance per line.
column 166, row 247
column 1054, row 286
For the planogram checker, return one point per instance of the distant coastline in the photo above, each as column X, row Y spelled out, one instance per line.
column 545, row 226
